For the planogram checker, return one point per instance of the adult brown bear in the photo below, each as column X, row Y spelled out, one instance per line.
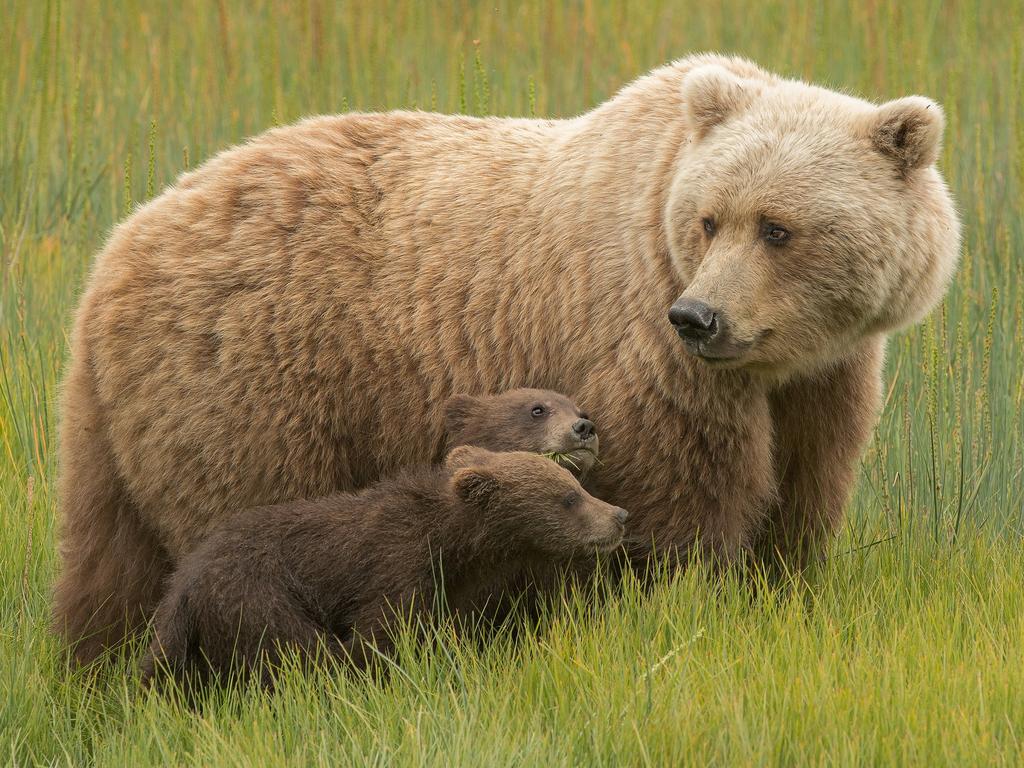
column 287, row 320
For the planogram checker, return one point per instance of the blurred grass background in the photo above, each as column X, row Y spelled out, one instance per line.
column 906, row 646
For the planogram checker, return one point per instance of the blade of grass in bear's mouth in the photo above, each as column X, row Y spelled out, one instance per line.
column 559, row 458
column 567, row 459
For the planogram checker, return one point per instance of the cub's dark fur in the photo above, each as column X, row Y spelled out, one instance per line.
column 536, row 420
column 332, row 574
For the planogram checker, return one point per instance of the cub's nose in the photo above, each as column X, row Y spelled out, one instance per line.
column 693, row 319
column 583, row 429
column 621, row 515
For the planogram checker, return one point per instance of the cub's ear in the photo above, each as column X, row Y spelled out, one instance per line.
column 712, row 94
column 474, row 485
column 909, row 131
column 457, row 411
column 467, row 456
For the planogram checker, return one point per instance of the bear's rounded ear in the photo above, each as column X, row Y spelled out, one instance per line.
column 474, row 485
column 457, row 409
column 467, row 456
column 711, row 95
column 909, row 131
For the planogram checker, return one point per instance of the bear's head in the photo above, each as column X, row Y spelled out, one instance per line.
column 528, row 503
column 535, row 420
column 802, row 220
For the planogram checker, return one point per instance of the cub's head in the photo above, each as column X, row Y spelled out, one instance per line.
column 531, row 504
column 534, row 420
column 802, row 220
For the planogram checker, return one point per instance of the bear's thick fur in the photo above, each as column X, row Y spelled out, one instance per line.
column 287, row 320
column 336, row 573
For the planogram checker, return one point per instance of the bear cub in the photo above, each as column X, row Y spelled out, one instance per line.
column 534, row 420
column 333, row 574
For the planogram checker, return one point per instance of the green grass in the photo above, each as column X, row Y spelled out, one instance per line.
column 904, row 648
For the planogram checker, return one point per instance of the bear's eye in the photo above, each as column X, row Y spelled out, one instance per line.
column 537, row 411
column 709, row 225
column 776, row 235
column 570, row 500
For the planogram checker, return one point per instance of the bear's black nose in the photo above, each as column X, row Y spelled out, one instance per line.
column 583, row 428
column 693, row 320
column 621, row 515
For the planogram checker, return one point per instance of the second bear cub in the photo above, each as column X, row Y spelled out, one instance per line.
column 335, row 573
column 535, row 420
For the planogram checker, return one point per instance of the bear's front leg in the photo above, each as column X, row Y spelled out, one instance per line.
column 822, row 424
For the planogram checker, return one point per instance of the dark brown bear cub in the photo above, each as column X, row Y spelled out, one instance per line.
column 535, row 420
column 332, row 574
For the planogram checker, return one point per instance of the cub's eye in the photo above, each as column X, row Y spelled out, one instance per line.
column 537, row 411
column 709, row 225
column 776, row 235
column 570, row 500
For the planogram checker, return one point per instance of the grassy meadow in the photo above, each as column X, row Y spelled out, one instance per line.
column 903, row 648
